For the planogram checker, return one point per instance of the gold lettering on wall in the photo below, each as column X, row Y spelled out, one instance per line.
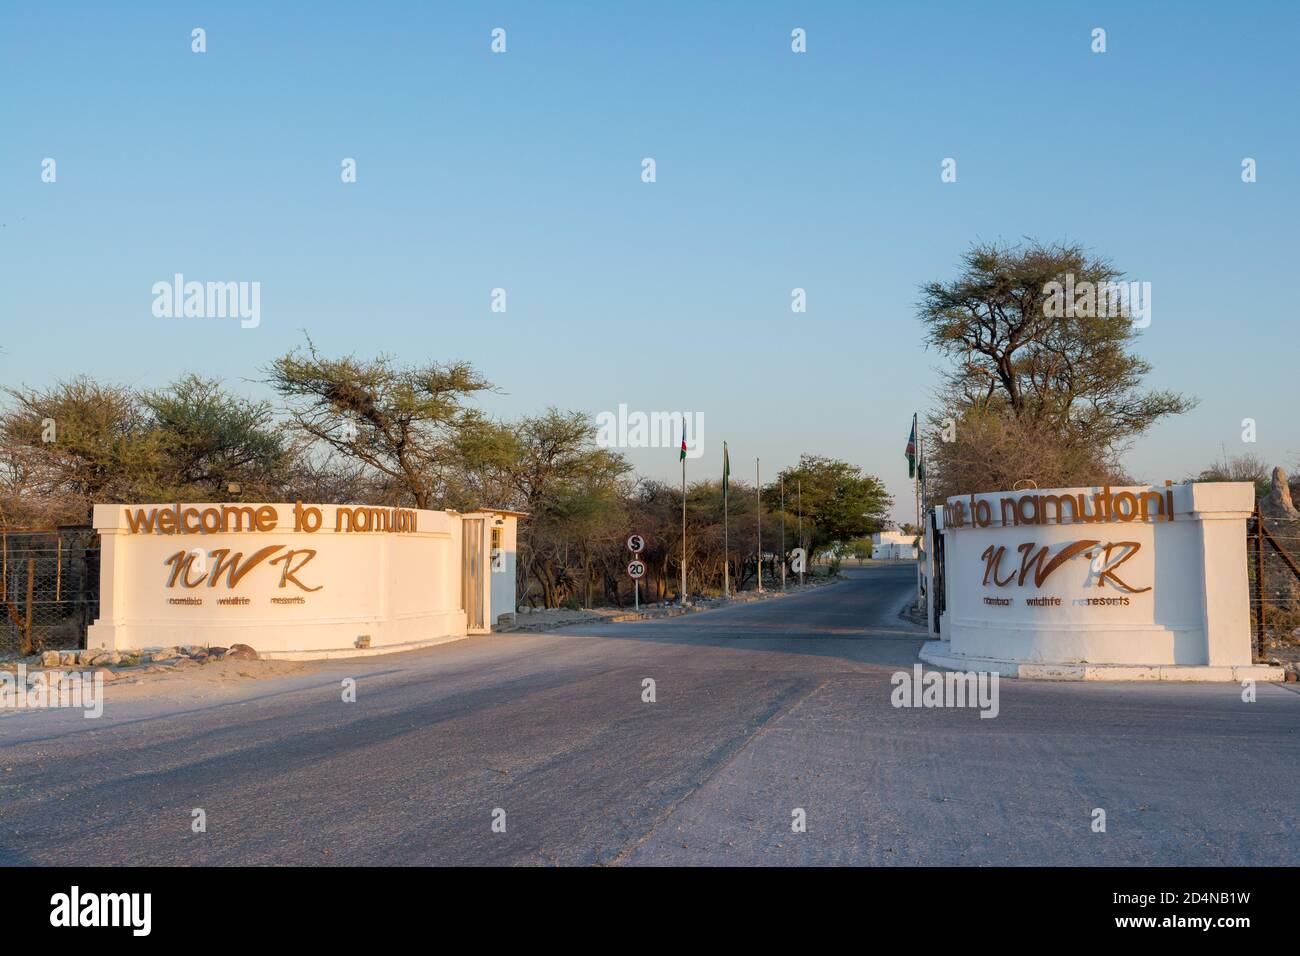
column 290, row 568
column 226, row 519
column 1105, row 568
column 233, row 570
column 1034, row 509
column 1104, row 563
column 374, row 519
column 235, row 567
column 181, row 563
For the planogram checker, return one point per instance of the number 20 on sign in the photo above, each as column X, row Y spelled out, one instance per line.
column 636, row 571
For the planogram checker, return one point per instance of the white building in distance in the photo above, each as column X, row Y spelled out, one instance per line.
column 893, row 546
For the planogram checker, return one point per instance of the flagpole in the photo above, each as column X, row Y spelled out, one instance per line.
column 683, row 518
column 758, row 493
column 923, row 540
column 726, row 546
column 799, row 497
column 782, row 531
column 917, row 432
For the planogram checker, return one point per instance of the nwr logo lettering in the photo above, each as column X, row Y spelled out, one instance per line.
column 1104, row 560
column 236, row 566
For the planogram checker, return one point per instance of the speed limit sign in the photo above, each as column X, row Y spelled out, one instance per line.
column 635, row 544
column 636, row 567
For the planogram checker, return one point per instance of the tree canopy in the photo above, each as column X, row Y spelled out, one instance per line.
column 81, row 442
column 374, row 430
column 401, row 421
column 1061, row 381
column 840, row 501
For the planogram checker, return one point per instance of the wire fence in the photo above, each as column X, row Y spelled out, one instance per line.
column 1274, row 574
column 49, row 588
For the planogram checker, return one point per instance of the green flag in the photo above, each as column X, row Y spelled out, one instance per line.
column 726, row 467
column 911, row 450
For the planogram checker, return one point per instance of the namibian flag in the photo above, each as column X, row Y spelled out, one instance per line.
column 726, row 467
column 911, row 451
column 683, row 455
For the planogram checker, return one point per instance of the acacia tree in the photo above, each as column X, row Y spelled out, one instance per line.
column 82, row 442
column 402, row 422
column 575, row 495
column 991, row 451
column 840, row 502
column 574, row 492
column 210, row 440
column 70, row 445
column 1060, row 381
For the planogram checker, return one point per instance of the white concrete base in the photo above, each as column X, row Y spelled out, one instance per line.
column 939, row 653
column 332, row 653
column 316, row 639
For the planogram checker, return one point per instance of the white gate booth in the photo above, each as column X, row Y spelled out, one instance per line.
column 1132, row 583
column 299, row 580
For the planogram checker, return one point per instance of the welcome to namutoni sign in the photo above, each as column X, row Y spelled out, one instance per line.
column 297, row 579
column 1152, row 578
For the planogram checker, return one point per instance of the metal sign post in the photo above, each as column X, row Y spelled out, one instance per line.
column 636, row 568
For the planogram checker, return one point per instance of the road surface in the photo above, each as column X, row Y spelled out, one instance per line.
column 759, row 710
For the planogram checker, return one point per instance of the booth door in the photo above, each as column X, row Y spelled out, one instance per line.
column 472, row 572
column 938, row 586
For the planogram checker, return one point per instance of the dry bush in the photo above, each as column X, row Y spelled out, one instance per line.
column 991, row 452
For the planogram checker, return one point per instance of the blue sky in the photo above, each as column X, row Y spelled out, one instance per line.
column 774, row 171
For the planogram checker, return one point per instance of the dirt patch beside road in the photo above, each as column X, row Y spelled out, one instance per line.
column 177, row 677
column 191, row 679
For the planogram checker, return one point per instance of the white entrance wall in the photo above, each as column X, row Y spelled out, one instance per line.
column 1150, row 575
column 291, row 580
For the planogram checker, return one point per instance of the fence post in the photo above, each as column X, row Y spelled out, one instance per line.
column 27, row 626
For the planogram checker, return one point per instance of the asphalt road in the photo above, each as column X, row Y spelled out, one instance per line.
column 759, row 710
